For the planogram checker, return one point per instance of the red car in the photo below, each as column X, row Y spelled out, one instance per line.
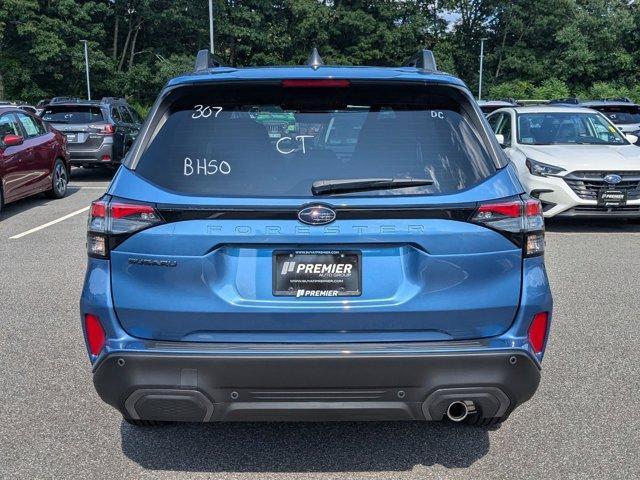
column 33, row 157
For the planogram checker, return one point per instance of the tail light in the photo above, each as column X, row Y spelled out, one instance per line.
column 104, row 129
column 96, row 337
column 520, row 220
column 538, row 331
column 111, row 221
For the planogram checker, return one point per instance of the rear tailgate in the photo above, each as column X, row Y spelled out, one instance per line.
column 425, row 273
column 229, row 193
column 81, row 124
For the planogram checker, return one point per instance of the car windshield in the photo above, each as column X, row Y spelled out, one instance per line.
column 72, row 114
column 275, row 141
column 560, row 128
column 621, row 115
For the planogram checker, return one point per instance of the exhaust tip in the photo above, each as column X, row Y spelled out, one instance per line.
column 459, row 410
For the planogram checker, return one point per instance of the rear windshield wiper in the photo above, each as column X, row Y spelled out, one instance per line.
column 321, row 187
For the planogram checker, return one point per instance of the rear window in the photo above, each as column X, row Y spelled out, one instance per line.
column 274, row 141
column 72, row 114
column 621, row 115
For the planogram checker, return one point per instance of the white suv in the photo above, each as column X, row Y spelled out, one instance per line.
column 573, row 159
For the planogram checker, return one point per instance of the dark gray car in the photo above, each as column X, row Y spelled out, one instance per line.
column 97, row 132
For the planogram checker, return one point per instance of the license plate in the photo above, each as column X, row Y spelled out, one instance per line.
column 71, row 138
column 317, row 273
column 612, row 198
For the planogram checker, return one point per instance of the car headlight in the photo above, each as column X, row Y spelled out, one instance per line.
column 542, row 169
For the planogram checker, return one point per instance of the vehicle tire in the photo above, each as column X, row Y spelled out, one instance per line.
column 634, row 221
column 59, row 181
column 144, row 423
column 1, row 202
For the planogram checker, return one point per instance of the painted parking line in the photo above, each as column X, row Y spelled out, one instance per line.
column 48, row 224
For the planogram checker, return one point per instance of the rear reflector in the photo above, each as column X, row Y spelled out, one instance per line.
column 99, row 209
column 312, row 83
column 95, row 334
column 105, row 158
column 538, row 331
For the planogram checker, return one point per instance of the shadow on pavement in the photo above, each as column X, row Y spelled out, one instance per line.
column 96, row 174
column 303, row 447
column 38, row 200
column 592, row 225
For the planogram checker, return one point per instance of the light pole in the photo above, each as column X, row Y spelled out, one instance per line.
column 211, row 25
column 482, row 40
column 435, row 20
column 86, row 66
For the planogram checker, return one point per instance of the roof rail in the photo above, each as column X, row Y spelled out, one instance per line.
column 568, row 100
column 111, row 99
column 65, row 99
column 422, row 60
column 618, row 99
column 206, row 60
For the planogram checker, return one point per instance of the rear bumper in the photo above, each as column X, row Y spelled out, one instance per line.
column 339, row 382
column 82, row 156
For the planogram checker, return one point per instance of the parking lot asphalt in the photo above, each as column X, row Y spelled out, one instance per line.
column 582, row 423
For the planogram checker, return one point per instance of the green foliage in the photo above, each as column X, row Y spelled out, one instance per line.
column 550, row 89
column 514, row 89
column 601, row 90
column 536, row 48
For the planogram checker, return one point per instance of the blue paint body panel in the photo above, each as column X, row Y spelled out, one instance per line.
column 423, row 280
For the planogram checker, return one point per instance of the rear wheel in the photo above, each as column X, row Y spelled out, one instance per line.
column 59, row 181
column 1, row 202
column 634, row 220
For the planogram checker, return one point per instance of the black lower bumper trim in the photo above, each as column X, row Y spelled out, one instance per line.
column 186, row 387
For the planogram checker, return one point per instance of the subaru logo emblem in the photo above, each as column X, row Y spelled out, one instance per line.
column 316, row 215
column 613, row 179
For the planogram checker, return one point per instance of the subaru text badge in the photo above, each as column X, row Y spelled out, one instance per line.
column 316, row 215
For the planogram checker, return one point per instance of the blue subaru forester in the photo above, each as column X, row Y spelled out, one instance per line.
column 316, row 243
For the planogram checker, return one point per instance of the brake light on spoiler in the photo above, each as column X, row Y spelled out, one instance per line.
column 316, row 83
column 520, row 220
column 111, row 221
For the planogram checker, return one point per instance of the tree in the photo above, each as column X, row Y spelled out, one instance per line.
column 533, row 47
